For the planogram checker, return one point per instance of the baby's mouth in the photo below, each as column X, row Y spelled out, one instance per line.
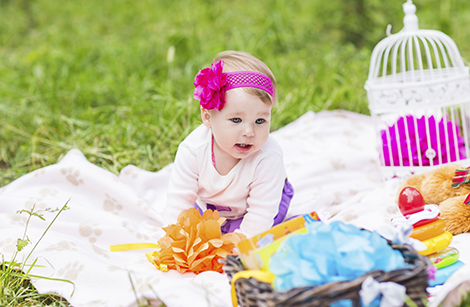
column 243, row 147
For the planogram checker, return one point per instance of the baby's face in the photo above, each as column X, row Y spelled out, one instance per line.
column 242, row 126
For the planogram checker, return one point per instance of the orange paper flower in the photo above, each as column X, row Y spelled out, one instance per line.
column 195, row 243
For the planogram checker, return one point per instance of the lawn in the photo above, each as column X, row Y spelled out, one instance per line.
column 114, row 78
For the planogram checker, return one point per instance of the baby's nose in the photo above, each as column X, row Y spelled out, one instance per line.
column 248, row 131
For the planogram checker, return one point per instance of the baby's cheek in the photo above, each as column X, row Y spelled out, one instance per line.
column 264, row 139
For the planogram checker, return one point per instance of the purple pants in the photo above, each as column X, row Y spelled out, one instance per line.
column 232, row 225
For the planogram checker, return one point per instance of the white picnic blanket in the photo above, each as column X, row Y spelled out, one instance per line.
column 331, row 161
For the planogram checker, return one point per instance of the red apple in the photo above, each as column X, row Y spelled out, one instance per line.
column 410, row 201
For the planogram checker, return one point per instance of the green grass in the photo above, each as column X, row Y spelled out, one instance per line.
column 16, row 288
column 95, row 75
column 99, row 75
column 465, row 300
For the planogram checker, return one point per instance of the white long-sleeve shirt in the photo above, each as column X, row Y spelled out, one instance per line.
column 252, row 189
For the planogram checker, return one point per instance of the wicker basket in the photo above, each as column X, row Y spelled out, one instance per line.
column 251, row 292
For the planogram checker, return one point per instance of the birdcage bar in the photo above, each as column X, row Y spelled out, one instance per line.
column 389, row 143
column 428, row 139
column 394, row 61
column 428, row 56
column 419, row 58
column 385, row 62
column 397, row 141
column 408, row 141
column 465, row 131
column 418, row 144
column 446, row 134
column 403, row 60
column 438, row 139
column 411, row 69
column 436, row 56
column 454, row 132
column 444, row 57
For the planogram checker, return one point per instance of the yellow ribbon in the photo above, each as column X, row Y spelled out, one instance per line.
column 131, row 246
column 263, row 276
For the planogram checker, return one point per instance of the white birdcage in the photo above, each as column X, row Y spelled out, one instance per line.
column 419, row 97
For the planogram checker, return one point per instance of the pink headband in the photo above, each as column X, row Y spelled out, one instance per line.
column 211, row 84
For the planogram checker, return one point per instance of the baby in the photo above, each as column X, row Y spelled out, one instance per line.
column 230, row 163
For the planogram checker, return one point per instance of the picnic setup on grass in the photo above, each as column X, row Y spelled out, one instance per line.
column 380, row 214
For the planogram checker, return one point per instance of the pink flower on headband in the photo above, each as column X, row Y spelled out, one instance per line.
column 209, row 84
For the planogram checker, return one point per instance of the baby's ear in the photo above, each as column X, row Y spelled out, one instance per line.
column 206, row 117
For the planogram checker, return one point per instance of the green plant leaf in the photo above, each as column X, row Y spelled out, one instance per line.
column 24, row 211
column 20, row 244
column 39, row 215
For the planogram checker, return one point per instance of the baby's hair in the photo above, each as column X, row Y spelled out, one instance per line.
column 238, row 61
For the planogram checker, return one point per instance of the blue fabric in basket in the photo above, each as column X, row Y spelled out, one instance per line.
column 331, row 253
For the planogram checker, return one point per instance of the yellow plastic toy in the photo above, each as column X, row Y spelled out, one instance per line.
column 436, row 243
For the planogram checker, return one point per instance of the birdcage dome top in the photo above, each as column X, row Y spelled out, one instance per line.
column 426, row 61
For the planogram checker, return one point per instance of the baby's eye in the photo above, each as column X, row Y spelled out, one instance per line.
column 236, row 120
column 260, row 121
